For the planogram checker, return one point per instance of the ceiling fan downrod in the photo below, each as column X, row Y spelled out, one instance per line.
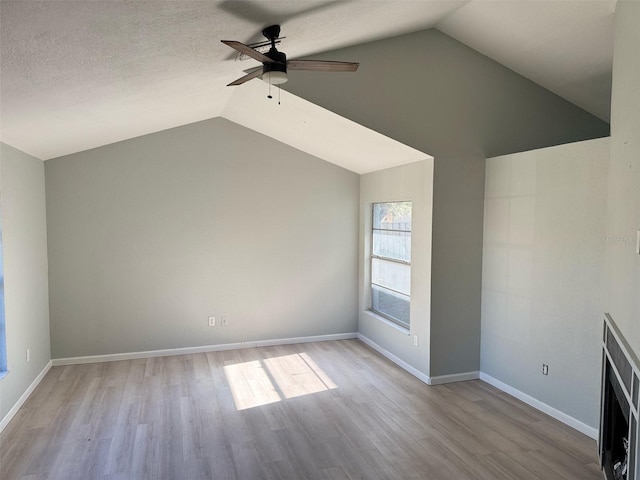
column 272, row 33
column 279, row 64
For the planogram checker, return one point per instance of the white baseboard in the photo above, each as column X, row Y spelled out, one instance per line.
column 398, row 361
column 529, row 400
column 460, row 377
column 543, row 407
column 202, row 349
column 439, row 380
column 456, row 377
column 23, row 398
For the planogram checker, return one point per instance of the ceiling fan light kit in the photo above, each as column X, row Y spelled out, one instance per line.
column 273, row 77
column 275, row 63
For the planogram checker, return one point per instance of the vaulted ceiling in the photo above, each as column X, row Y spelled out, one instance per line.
column 77, row 75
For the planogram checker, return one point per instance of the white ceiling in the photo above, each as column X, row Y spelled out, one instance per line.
column 317, row 131
column 564, row 45
column 80, row 74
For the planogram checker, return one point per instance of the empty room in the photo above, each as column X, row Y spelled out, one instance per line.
column 272, row 239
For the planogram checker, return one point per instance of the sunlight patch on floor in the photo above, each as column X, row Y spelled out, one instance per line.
column 261, row 382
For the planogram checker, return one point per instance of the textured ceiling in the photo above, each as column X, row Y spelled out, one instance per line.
column 80, row 74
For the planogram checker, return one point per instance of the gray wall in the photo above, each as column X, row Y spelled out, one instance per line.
column 412, row 182
column 543, row 268
column 24, row 239
column 150, row 236
column 443, row 98
column 623, row 207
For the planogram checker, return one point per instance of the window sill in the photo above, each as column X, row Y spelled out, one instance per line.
column 3, row 374
column 391, row 323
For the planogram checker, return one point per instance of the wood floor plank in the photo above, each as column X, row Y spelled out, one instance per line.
column 329, row 410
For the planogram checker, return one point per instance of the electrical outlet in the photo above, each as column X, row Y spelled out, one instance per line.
column 212, row 321
column 638, row 242
column 28, row 355
column 545, row 369
column 224, row 321
column 415, row 340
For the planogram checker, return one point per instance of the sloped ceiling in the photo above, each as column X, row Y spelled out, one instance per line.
column 565, row 46
column 77, row 75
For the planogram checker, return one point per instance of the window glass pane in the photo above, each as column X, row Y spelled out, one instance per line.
column 391, row 260
column 393, row 275
column 389, row 303
column 392, row 216
column 392, row 230
column 392, row 244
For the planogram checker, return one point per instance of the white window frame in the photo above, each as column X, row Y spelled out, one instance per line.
column 373, row 256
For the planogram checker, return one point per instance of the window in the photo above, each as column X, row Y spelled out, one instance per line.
column 391, row 261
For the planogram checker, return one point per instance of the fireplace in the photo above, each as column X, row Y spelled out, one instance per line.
column 618, row 445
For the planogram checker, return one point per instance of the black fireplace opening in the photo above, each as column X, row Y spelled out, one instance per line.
column 615, row 448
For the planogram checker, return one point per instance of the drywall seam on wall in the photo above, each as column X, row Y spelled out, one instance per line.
column 543, row 262
column 623, row 202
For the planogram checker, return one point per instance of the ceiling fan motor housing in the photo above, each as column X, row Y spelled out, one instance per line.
column 279, row 65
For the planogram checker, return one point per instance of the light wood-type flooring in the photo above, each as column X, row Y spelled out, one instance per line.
column 330, row 410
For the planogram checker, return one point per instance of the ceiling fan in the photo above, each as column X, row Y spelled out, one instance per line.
column 275, row 64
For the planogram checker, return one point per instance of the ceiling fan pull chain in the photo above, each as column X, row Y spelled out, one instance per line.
column 269, row 74
column 279, row 89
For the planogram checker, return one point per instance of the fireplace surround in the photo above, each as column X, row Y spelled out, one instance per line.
column 618, row 440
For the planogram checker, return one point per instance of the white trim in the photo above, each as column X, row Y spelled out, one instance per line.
column 113, row 357
column 456, row 377
column 537, row 404
column 461, row 377
column 543, row 407
column 398, row 361
column 23, row 398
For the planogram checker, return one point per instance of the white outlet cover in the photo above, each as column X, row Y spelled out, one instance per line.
column 638, row 242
